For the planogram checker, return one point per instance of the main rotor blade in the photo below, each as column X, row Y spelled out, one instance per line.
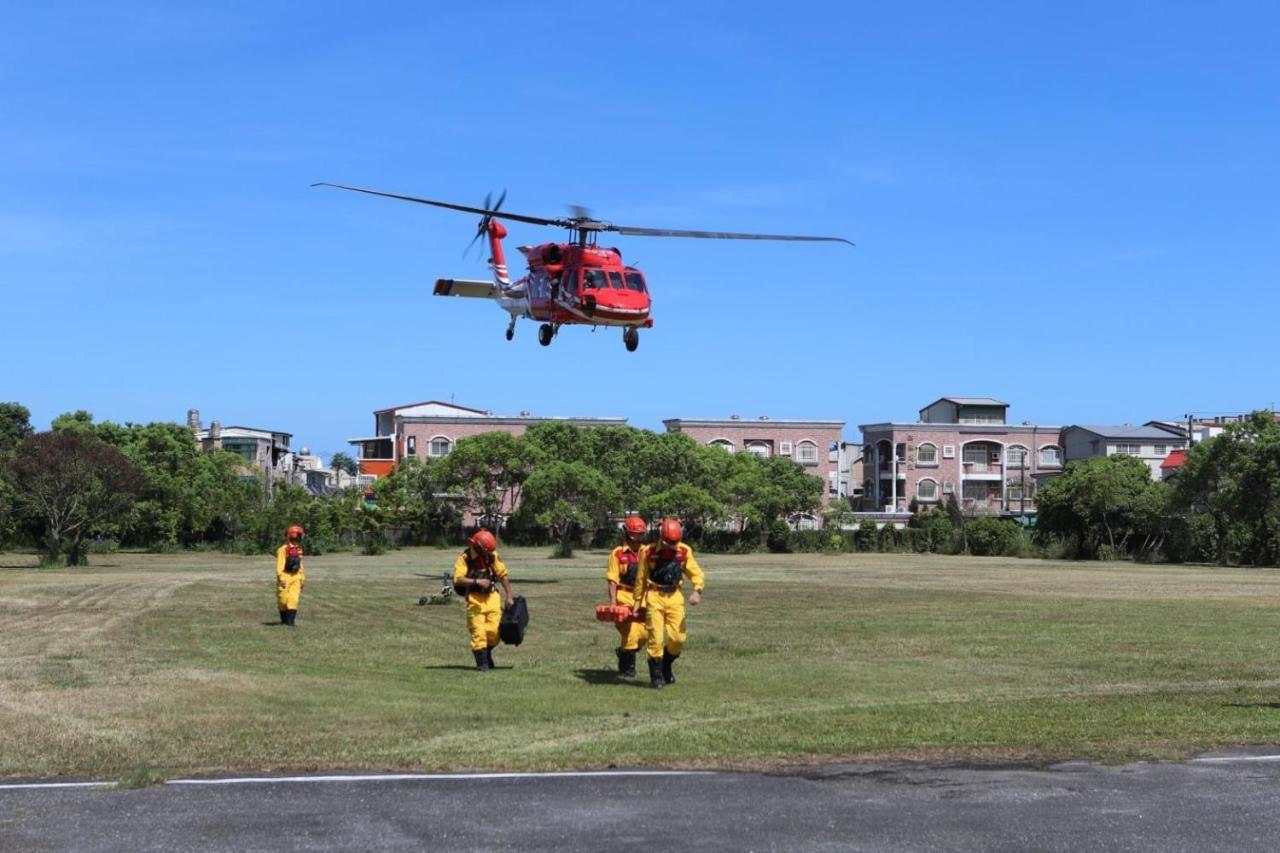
column 518, row 217
column 718, row 235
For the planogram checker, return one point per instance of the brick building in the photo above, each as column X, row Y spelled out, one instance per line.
column 431, row 428
column 813, row 444
column 962, row 446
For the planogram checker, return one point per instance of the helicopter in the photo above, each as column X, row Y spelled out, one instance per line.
column 576, row 282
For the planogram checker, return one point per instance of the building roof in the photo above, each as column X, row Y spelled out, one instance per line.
column 921, row 426
column 460, row 410
column 1128, row 431
column 243, row 432
column 969, row 401
column 1175, row 459
column 756, row 423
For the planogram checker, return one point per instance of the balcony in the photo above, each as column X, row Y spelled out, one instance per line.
column 980, row 471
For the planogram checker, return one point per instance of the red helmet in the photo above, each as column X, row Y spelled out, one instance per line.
column 295, row 531
column 634, row 526
column 670, row 531
column 483, row 540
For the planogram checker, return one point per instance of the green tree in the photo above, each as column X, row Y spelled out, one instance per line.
column 489, row 471
column 565, row 496
column 1101, row 503
column 71, row 484
column 77, row 420
column 344, row 463
column 693, row 505
column 1234, row 479
column 15, row 425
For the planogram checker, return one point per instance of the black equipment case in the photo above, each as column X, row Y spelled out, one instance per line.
column 514, row 620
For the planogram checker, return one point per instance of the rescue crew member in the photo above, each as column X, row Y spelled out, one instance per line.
column 663, row 569
column 290, row 576
column 475, row 572
column 624, row 563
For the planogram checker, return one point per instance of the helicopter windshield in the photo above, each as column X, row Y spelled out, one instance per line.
column 635, row 281
column 593, row 279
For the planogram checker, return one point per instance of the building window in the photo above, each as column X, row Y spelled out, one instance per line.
column 411, row 445
column 927, row 490
column 1050, row 456
column 807, row 453
column 785, row 448
column 1161, row 451
column 1016, row 456
column 975, row 453
column 1129, row 449
column 440, row 446
column 722, row 443
column 927, row 454
column 1018, row 491
column 759, row 448
column 974, row 490
column 948, row 451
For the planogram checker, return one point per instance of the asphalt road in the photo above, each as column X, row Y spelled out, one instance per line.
column 1202, row 805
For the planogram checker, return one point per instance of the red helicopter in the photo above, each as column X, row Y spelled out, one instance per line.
column 571, row 283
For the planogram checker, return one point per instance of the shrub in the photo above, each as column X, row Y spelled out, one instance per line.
column 779, row 538
column 988, row 535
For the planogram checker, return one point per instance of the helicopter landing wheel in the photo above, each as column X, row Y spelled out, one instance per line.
column 511, row 333
column 545, row 334
column 631, row 337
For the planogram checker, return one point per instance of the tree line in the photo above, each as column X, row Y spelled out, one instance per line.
column 84, row 485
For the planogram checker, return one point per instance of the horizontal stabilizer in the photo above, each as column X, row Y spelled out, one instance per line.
column 466, row 287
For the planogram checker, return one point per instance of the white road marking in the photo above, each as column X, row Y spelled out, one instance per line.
column 1226, row 758
column 19, row 785
column 373, row 777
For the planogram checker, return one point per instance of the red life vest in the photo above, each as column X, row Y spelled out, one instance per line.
column 630, row 562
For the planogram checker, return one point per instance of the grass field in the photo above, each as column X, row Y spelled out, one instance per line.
column 173, row 663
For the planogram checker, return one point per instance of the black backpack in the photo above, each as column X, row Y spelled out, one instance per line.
column 514, row 620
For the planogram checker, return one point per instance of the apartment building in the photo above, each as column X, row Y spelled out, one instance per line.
column 962, row 446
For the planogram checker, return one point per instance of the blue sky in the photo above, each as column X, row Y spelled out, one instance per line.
column 1073, row 208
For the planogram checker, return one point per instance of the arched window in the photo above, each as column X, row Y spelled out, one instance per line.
column 807, row 453
column 926, row 454
column 1015, row 456
column 1051, row 456
column 722, row 443
column 759, row 448
column 804, row 521
column 440, row 446
column 927, row 490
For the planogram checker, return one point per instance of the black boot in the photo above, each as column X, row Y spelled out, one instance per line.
column 655, row 672
column 488, row 656
column 667, row 675
column 284, row 617
column 482, row 659
column 627, row 662
column 292, row 615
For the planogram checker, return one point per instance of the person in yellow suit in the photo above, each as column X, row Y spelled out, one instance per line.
column 663, row 569
column 290, row 577
column 475, row 574
column 624, row 564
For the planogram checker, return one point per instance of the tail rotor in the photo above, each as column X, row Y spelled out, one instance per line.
column 490, row 208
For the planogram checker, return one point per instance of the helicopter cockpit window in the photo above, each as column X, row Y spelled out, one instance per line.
column 635, row 281
column 570, row 281
column 615, row 279
column 593, row 279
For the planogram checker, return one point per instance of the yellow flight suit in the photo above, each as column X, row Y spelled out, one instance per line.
column 624, row 566
column 664, row 603
column 289, row 583
column 484, row 609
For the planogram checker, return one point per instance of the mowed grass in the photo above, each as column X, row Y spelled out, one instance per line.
column 174, row 662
